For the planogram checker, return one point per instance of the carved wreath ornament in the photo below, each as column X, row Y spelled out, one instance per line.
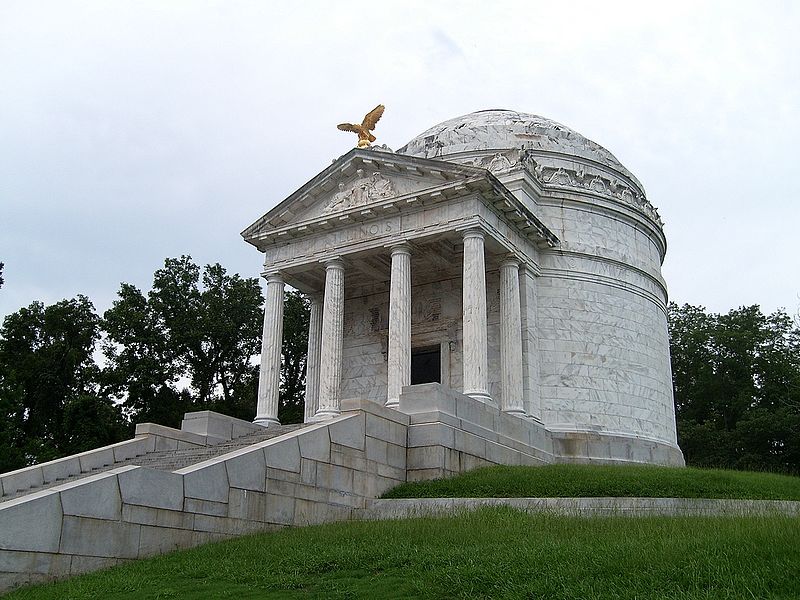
column 364, row 189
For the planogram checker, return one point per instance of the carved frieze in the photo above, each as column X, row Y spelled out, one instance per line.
column 496, row 163
column 362, row 190
column 578, row 179
column 499, row 162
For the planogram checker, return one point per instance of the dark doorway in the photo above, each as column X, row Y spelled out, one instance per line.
column 426, row 365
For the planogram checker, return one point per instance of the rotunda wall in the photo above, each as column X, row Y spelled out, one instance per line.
column 603, row 347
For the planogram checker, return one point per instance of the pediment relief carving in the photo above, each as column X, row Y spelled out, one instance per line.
column 365, row 188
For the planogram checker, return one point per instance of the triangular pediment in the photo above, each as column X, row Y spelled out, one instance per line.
column 364, row 183
column 368, row 184
column 355, row 182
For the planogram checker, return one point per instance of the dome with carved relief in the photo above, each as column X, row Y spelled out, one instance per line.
column 499, row 129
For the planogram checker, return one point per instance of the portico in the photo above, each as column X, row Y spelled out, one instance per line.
column 421, row 260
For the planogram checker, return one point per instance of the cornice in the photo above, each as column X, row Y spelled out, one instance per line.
column 457, row 180
column 584, row 176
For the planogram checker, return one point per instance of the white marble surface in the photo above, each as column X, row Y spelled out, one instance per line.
column 475, row 345
column 313, row 358
column 512, row 400
column 269, row 378
column 503, row 129
column 330, row 375
column 399, row 360
column 595, row 353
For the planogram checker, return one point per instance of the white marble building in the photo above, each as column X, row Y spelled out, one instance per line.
column 489, row 294
column 499, row 254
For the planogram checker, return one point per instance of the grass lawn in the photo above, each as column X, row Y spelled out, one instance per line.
column 491, row 553
column 567, row 481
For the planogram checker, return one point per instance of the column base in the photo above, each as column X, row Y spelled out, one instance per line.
column 480, row 397
column 516, row 412
column 393, row 404
column 324, row 415
column 266, row 421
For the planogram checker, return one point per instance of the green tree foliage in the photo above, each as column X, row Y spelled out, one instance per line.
column 188, row 345
column 295, row 346
column 736, row 379
column 48, row 381
column 191, row 343
column 142, row 370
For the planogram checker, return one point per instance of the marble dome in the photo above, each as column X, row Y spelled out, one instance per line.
column 501, row 129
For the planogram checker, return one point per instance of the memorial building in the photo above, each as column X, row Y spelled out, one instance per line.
column 491, row 293
column 499, row 254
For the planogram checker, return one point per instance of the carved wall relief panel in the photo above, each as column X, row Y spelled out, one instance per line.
column 428, row 310
column 365, row 188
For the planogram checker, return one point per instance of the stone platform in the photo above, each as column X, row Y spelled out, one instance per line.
column 220, row 477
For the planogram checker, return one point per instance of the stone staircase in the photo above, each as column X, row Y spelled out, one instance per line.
column 172, row 460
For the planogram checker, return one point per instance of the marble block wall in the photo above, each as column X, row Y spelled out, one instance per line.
column 323, row 472
column 602, row 360
column 602, row 323
column 435, row 320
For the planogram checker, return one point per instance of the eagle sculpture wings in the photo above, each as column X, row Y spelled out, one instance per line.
column 367, row 125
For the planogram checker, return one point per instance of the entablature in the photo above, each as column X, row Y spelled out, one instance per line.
column 375, row 197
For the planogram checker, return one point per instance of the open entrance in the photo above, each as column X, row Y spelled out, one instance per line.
column 426, row 365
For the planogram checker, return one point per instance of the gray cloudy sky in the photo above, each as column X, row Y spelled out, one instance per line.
column 134, row 131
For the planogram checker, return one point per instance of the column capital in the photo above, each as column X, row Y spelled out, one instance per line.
column 316, row 297
column 335, row 262
column 473, row 232
column 511, row 260
column 399, row 248
column 274, row 277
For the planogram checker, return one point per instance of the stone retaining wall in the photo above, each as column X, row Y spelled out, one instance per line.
column 317, row 474
column 328, row 471
column 378, row 509
column 202, row 428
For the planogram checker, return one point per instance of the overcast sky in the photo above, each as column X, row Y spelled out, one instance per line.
column 135, row 131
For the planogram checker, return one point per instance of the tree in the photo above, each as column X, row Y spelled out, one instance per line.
column 12, row 438
column 143, row 370
column 185, row 346
column 47, row 377
column 736, row 381
column 225, row 337
column 295, row 347
column 191, row 343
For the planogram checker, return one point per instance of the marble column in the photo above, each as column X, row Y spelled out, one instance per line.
column 530, row 344
column 269, row 378
column 312, row 359
column 399, row 361
column 330, row 367
column 512, row 400
column 475, row 351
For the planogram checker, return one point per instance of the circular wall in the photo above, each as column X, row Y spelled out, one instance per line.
column 603, row 346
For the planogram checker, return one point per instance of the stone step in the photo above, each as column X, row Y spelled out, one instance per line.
column 172, row 460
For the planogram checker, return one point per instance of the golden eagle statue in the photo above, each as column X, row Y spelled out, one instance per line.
column 367, row 125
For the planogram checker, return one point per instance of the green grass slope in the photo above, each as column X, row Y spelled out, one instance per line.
column 491, row 553
column 567, row 481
